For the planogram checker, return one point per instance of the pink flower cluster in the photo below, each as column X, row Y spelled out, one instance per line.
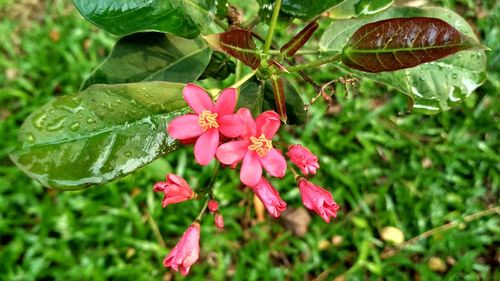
column 234, row 138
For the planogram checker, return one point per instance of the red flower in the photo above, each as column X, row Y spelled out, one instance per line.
column 255, row 148
column 303, row 158
column 219, row 220
column 207, row 122
column 175, row 190
column 318, row 200
column 212, row 206
column 186, row 252
column 270, row 197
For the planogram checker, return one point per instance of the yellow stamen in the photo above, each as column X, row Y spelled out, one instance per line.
column 208, row 120
column 261, row 145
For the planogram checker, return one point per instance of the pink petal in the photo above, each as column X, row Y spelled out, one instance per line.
column 226, row 102
column 184, row 127
column 206, row 146
column 274, row 163
column 232, row 152
column 249, row 127
column 251, row 169
column 268, row 123
column 197, row 98
column 230, row 125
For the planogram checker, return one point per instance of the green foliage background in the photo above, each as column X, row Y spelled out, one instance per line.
column 385, row 168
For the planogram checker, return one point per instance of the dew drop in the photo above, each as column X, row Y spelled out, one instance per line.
column 128, row 153
column 75, row 126
column 90, row 121
column 31, row 138
column 39, row 120
column 454, row 76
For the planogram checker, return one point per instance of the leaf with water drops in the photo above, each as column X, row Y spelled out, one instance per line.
column 183, row 18
column 433, row 86
column 98, row 135
column 357, row 8
column 152, row 56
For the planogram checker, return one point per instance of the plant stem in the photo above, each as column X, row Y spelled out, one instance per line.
column 272, row 25
column 245, row 78
column 314, row 63
column 209, row 190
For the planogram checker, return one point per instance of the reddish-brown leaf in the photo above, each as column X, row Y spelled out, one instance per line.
column 279, row 96
column 398, row 43
column 237, row 43
column 290, row 48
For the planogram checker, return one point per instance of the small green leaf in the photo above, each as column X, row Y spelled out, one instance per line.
column 183, row 18
column 358, row 8
column 251, row 96
column 306, row 8
column 98, row 135
column 433, row 86
column 152, row 56
column 294, row 105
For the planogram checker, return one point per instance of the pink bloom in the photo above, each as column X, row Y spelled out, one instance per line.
column 303, row 158
column 212, row 206
column 255, row 148
column 219, row 220
column 318, row 200
column 270, row 197
column 186, row 252
column 207, row 122
column 175, row 190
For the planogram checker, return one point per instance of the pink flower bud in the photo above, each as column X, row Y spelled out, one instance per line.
column 186, row 252
column 175, row 190
column 213, row 206
column 219, row 220
column 318, row 200
column 270, row 197
column 303, row 158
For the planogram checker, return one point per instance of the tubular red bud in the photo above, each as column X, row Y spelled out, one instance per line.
column 213, row 206
column 175, row 190
column 303, row 158
column 219, row 220
column 318, row 200
column 186, row 252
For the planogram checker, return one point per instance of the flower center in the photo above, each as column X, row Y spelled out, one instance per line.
column 208, row 120
column 261, row 145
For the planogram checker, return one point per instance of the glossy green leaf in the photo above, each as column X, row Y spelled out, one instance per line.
column 307, row 8
column 251, row 96
column 183, row 18
column 219, row 67
column 358, row 8
column 98, row 135
column 399, row 43
column 294, row 105
column 152, row 56
column 433, row 86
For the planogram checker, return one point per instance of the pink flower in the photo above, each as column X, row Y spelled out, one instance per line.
column 186, row 252
column 303, row 158
column 212, row 206
column 270, row 197
column 318, row 200
column 255, row 148
column 219, row 220
column 207, row 122
column 175, row 190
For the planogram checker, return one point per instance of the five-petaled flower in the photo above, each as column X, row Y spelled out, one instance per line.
column 303, row 158
column 270, row 197
column 186, row 252
column 207, row 121
column 255, row 148
column 175, row 190
column 318, row 200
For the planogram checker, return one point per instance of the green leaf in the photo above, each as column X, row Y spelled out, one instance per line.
column 294, row 105
column 98, row 135
column 219, row 67
column 307, row 8
column 183, row 18
column 251, row 96
column 357, row 8
column 433, row 86
column 152, row 56
column 398, row 43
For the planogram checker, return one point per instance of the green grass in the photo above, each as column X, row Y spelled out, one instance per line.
column 413, row 172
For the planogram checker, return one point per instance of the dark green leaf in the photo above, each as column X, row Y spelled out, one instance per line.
column 251, row 96
column 307, row 8
column 179, row 17
column 433, row 86
column 295, row 111
column 98, row 135
column 357, row 8
column 219, row 67
column 398, row 43
column 152, row 56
